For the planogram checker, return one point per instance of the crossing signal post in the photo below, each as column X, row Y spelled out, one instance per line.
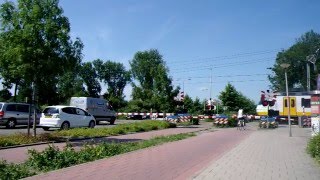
column 268, row 99
column 182, row 99
column 210, row 105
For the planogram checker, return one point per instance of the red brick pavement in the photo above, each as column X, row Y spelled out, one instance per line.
column 20, row 154
column 175, row 160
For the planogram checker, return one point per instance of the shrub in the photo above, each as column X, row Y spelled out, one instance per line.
column 122, row 117
column 232, row 122
column 208, row 120
column 195, row 121
column 120, row 129
column 14, row 171
column 52, row 158
column 313, row 147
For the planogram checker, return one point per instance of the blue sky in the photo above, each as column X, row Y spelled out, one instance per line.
column 238, row 40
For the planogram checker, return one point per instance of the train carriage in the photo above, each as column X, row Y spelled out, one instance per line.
column 299, row 105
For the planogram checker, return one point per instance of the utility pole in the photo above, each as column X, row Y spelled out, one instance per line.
column 210, row 82
column 311, row 59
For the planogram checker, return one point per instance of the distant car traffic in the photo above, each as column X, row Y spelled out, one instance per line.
column 221, row 116
column 177, row 116
column 65, row 117
column 138, row 117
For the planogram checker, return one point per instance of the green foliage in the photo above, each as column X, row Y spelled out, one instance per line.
column 5, row 95
column 52, row 158
column 154, row 89
column 116, row 77
column 235, row 100
column 208, row 120
column 195, row 121
column 90, row 78
column 36, row 46
column 144, row 126
column 232, row 122
column 296, row 56
column 22, row 138
column 313, row 147
column 14, row 171
column 119, row 129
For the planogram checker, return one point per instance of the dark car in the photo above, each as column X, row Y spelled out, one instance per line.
column 138, row 117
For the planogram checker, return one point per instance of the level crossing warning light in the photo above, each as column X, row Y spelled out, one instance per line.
column 268, row 98
column 182, row 96
column 210, row 105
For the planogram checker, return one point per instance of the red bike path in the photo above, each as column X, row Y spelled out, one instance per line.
column 176, row 160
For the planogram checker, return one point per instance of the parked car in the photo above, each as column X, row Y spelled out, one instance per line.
column 65, row 117
column 12, row 114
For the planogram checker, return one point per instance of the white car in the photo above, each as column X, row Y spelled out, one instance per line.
column 65, row 117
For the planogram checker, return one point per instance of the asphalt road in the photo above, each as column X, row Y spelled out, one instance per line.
column 24, row 129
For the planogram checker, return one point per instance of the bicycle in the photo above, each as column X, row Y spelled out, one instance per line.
column 241, row 124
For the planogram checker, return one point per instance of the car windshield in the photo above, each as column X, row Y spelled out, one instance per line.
column 51, row 110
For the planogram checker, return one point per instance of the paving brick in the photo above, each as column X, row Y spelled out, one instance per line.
column 175, row 160
column 267, row 154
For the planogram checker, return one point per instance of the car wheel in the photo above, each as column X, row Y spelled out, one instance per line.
column 91, row 124
column 65, row 126
column 45, row 128
column 11, row 123
column 112, row 120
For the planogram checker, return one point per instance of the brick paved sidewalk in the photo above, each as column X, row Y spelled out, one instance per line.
column 175, row 160
column 20, row 154
column 266, row 154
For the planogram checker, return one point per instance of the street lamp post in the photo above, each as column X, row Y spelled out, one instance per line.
column 285, row 66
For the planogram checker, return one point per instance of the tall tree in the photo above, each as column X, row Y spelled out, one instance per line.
column 234, row 100
column 36, row 46
column 90, row 78
column 116, row 77
column 296, row 56
column 153, row 87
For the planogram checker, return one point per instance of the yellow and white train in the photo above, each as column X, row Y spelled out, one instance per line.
column 299, row 105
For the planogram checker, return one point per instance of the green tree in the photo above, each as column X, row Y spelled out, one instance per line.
column 153, row 87
column 69, row 85
column 296, row 56
column 116, row 77
column 234, row 100
column 36, row 46
column 90, row 78
column 187, row 103
column 5, row 95
column 197, row 107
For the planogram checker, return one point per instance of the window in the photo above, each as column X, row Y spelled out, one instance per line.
column 286, row 103
column 23, row 108
column 51, row 111
column 80, row 112
column 306, row 103
column 292, row 103
column 11, row 107
column 69, row 110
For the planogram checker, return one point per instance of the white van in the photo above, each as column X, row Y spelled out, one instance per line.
column 98, row 107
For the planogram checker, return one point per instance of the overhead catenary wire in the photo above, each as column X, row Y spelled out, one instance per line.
column 219, row 58
column 197, row 68
column 221, row 76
